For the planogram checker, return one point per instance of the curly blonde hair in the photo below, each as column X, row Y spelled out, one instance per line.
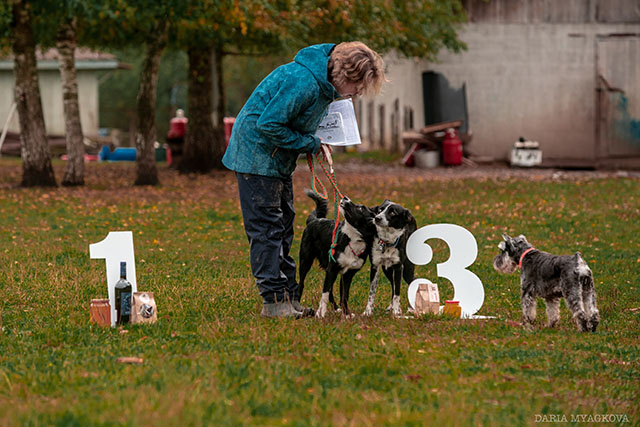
column 355, row 62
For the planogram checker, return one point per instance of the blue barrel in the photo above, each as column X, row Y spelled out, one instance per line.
column 120, row 154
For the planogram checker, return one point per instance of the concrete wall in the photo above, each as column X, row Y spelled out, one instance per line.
column 530, row 70
column 51, row 94
column 536, row 80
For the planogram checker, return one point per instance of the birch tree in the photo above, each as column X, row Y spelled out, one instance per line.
column 34, row 146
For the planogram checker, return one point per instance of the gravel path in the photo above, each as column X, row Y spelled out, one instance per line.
column 494, row 171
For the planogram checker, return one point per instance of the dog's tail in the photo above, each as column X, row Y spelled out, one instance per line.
column 321, row 206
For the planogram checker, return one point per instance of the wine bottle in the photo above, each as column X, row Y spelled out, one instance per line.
column 123, row 296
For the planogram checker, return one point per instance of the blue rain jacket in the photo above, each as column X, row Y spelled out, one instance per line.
column 280, row 117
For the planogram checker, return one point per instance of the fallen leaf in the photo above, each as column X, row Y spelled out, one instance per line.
column 413, row 378
column 86, row 374
column 617, row 362
column 136, row 360
column 527, row 366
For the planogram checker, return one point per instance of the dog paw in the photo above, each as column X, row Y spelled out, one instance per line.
column 593, row 322
column 581, row 322
column 396, row 310
column 322, row 308
column 368, row 311
column 321, row 312
column 349, row 316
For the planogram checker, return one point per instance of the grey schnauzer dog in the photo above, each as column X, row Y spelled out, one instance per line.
column 551, row 277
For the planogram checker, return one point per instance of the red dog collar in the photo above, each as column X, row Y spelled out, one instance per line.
column 522, row 257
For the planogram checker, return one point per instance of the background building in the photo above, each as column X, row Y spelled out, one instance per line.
column 564, row 73
column 89, row 65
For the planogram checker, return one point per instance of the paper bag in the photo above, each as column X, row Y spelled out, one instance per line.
column 143, row 308
column 427, row 299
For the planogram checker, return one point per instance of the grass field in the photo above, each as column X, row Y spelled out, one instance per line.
column 211, row 359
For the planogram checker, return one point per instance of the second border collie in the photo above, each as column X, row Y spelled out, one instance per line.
column 394, row 224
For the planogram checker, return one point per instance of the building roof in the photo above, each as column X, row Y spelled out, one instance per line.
column 86, row 59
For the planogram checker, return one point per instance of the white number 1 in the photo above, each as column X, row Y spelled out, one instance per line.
column 463, row 249
column 115, row 248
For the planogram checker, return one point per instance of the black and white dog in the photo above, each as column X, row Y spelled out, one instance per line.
column 354, row 238
column 394, row 224
column 551, row 277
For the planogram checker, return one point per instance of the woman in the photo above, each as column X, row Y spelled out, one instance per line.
column 277, row 124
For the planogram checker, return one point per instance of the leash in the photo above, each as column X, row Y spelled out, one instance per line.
column 336, row 192
column 522, row 256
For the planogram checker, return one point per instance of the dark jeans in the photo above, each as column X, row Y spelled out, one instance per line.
column 267, row 210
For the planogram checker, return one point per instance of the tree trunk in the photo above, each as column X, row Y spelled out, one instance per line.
column 36, row 157
column 66, row 44
column 203, row 145
column 219, row 95
column 145, row 134
column 220, row 104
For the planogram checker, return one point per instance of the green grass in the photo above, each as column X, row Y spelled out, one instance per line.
column 211, row 359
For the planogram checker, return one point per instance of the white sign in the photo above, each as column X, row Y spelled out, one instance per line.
column 467, row 287
column 331, row 129
column 114, row 249
column 339, row 126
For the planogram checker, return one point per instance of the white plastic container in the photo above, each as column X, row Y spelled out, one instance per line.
column 426, row 159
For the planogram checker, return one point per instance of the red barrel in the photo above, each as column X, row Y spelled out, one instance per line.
column 452, row 148
column 228, row 128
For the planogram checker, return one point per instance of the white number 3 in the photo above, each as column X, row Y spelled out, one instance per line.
column 467, row 287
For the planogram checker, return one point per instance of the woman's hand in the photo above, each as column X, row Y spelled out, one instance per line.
column 326, row 153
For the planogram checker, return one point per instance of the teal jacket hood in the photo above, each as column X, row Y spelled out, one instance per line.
column 279, row 120
column 309, row 58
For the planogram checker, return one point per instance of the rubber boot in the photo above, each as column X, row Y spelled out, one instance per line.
column 279, row 309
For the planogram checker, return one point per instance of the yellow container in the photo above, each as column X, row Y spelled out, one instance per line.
column 452, row 308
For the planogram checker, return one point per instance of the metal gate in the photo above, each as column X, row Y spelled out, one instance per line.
column 618, row 100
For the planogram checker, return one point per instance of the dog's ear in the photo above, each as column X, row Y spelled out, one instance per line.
column 502, row 246
column 523, row 238
column 508, row 243
column 380, row 207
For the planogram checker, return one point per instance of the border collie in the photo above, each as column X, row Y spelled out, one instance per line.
column 354, row 239
column 394, row 224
